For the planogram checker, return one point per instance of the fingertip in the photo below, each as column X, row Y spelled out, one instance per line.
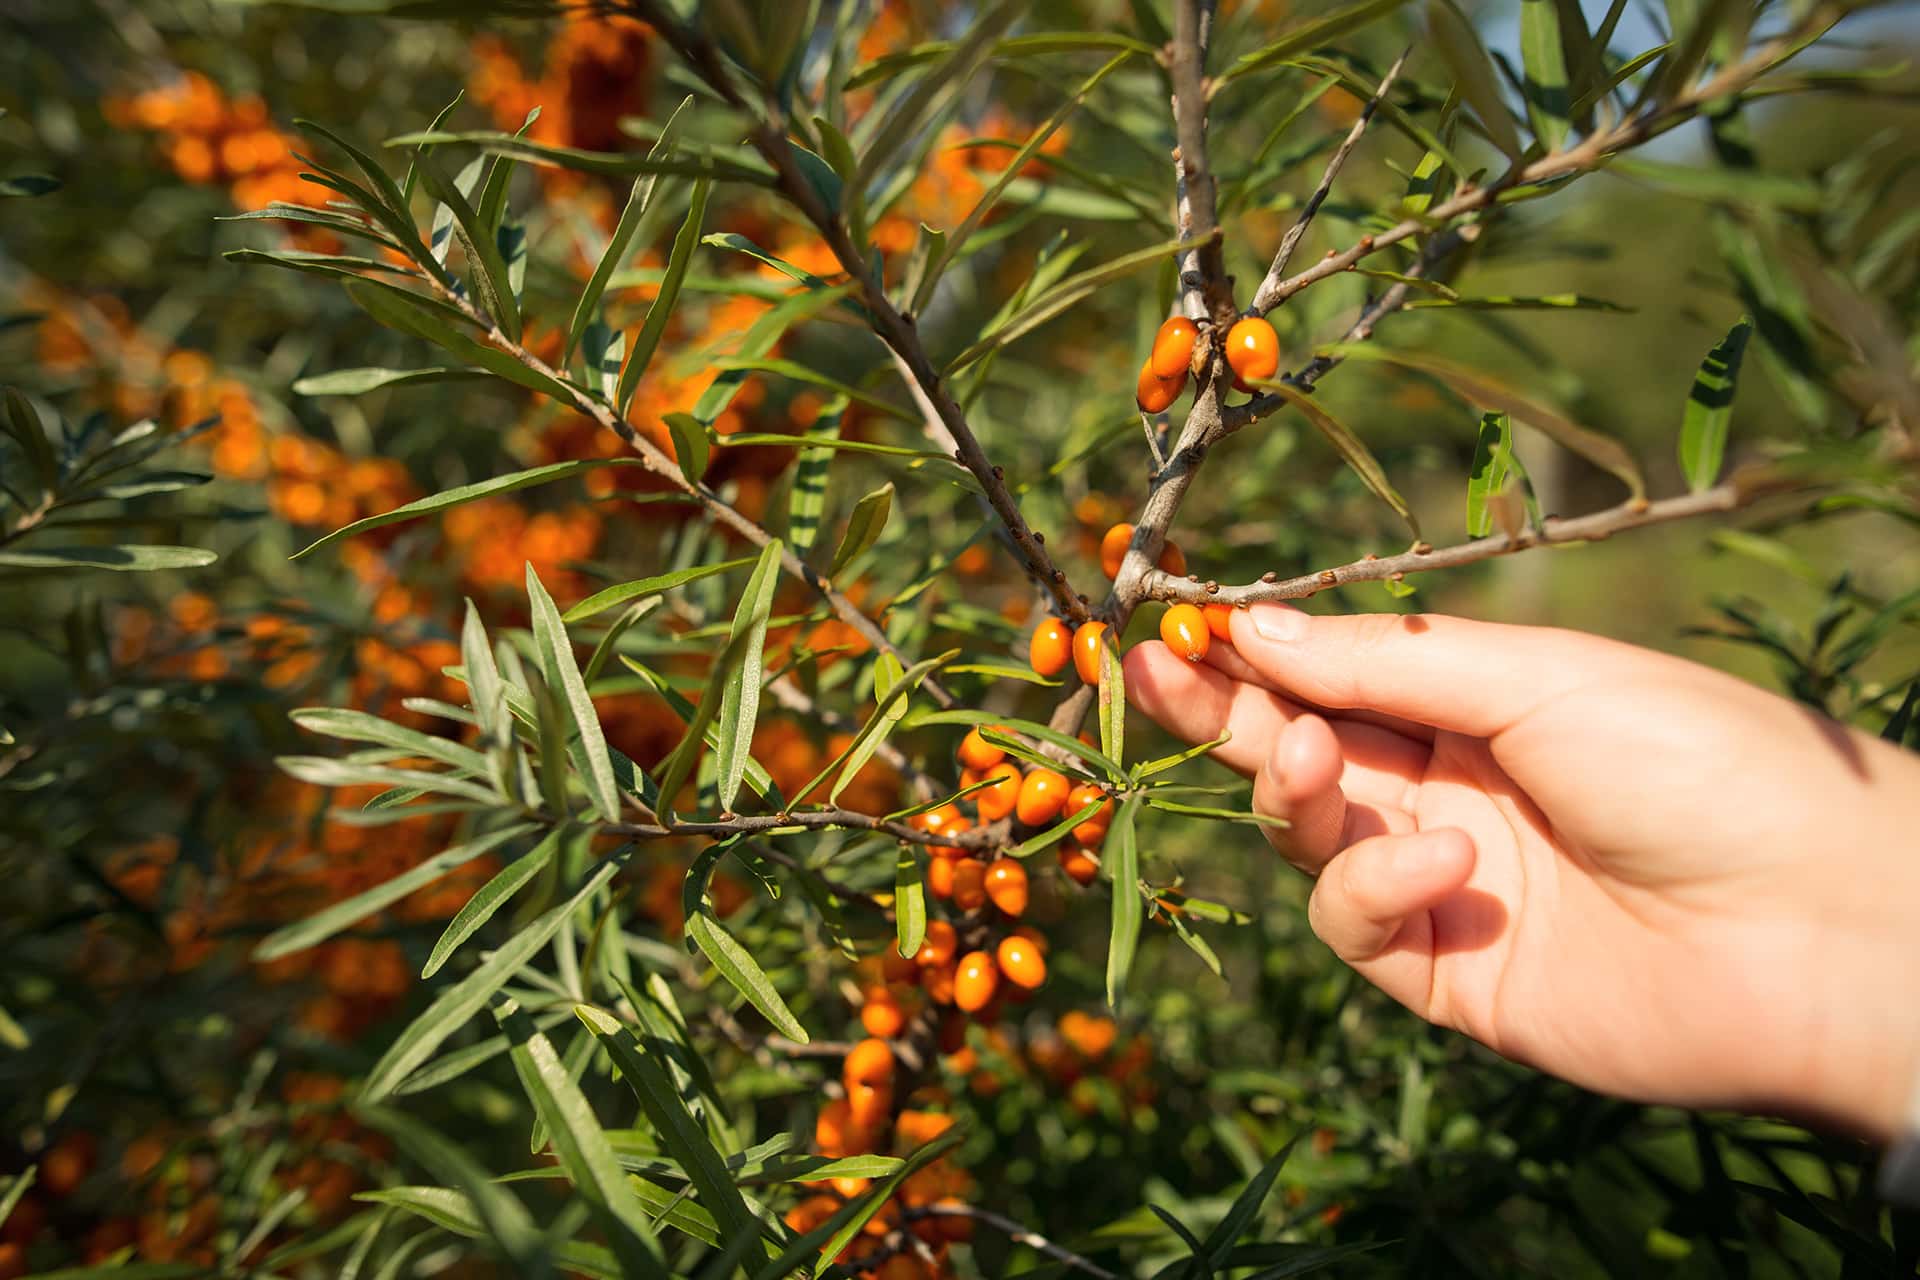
column 1306, row 758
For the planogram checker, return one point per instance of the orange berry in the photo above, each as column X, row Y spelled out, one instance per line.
column 1155, row 394
column 1173, row 559
column 938, row 983
column 867, row 1109
column 940, row 821
column 895, row 967
column 997, row 801
column 954, row 1228
column 975, row 981
column 1253, row 350
column 1087, row 642
column 1219, row 620
column 938, row 946
column 900, row 1266
column 1091, row 1036
column 832, row 1127
column 1184, row 629
column 811, row 1213
column 1090, row 830
column 869, row 1062
column 1051, row 647
column 918, row 1128
column 882, row 1015
column 1113, row 548
column 1173, row 348
column 977, row 753
column 1080, row 866
column 940, row 876
column 970, row 776
column 1007, row 885
column 1042, row 793
column 851, row 1187
column 1021, row 961
column 969, row 884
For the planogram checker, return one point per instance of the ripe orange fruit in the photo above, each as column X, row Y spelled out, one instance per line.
column 938, row 983
column 1042, row 793
column 1253, row 350
column 1080, row 866
column 1184, row 628
column 868, row 1106
column 1155, row 394
column 1219, row 621
column 811, row 1213
column 1007, row 885
column 869, row 1062
column 1021, row 961
column 1051, row 647
column 1113, row 550
column 940, row 876
column 881, row 1014
column 946, row 820
column 997, row 801
column 901, row 1266
column 975, row 981
column 895, row 967
column 938, row 946
column 1091, row 1035
column 832, row 1127
column 1087, row 642
column 918, row 1128
column 1173, row 348
column 851, row 1187
column 977, row 753
column 969, row 884
column 1173, row 559
column 1090, row 830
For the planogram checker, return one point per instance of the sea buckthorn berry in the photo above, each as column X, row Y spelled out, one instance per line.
column 832, row 1127
column 1021, row 961
column 940, row 876
column 895, row 967
column 1080, row 866
column 1219, row 620
column 1007, row 885
column 869, row 1062
column 811, row 1213
column 1042, row 793
column 1155, row 394
column 851, row 1187
column 1172, row 559
column 1253, row 350
column 997, row 801
column 938, row 821
column 868, row 1107
column 970, row 776
column 1184, row 629
column 1113, row 550
column 1173, row 348
column 918, row 1128
column 1091, row 830
column 899, row 1266
column 955, row 1228
column 1051, row 647
column 979, row 754
column 881, row 1014
column 975, row 981
column 1087, row 642
column 938, row 983
column 937, row 947
column 969, row 884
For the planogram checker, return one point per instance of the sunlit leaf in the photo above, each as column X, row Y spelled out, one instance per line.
column 1703, row 431
column 740, row 704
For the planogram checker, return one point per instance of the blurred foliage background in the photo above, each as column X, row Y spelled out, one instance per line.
column 185, row 1104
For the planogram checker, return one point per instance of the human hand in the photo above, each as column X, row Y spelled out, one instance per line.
column 1620, row 867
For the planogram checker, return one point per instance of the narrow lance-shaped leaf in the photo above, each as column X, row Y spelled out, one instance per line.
column 680, row 761
column 1473, row 72
column 1544, row 58
column 483, row 251
column 906, row 119
column 662, row 306
column 126, row 558
column 1351, row 450
column 1493, row 462
column 493, row 895
column 1122, row 865
column 1245, row 1208
column 909, row 901
column 557, row 659
column 892, row 705
column 1703, row 432
column 1113, row 705
column 1314, row 34
column 741, row 702
column 808, row 501
column 601, row 601
column 425, row 318
column 737, row 965
column 358, row 382
column 691, row 448
column 864, row 527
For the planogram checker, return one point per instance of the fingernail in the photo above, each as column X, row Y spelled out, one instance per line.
column 1278, row 622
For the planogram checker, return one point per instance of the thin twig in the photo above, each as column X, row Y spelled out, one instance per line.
column 809, row 819
column 1598, row 525
column 1153, row 443
column 1298, row 230
column 1206, row 292
column 1015, row 1232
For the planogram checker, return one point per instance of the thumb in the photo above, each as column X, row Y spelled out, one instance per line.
column 1476, row 678
column 1371, row 903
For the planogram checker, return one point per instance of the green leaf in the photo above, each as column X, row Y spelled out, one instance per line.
column 765, row 439
column 672, row 1123
column 482, row 250
column 1740, row 188
column 322, row 925
column 1541, row 52
column 492, row 1207
column 467, row 493
column 909, row 901
column 331, row 265
column 359, row 726
column 1246, row 1206
column 358, row 382
column 639, row 202
column 691, row 448
column 29, row 184
column 740, row 704
column 864, row 527
column 389, row 205
column 1156, row 801
column 492, row 895
column 1308, row 36
column 1123, row 873
column 806, row 373
column 129, row 558
column 661, row 307
column 1113, row 706
column 1351, row 449
column 482, row 676
column 601, row 601
column 678, row 765
column 423, row 318
column 580, row 1144
column 1032, row 729
column 1703, row 432
column 745, row 168
column 1069, row 293
column 557, row 660
column 807, row 504
column 1493, row 464
column 22, row 422
column 1141, row 772
column 1056, row 833
column 737, row 965
column 863, row 1210
column 1473, row 73
column 458, row 1003
column 890, row 706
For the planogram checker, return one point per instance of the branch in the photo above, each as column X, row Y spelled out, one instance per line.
column 809, row 819
column 1554, row 531
column 1016, row 1233
column 1203, row 274
column 893, row 328
column 1299, row 229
